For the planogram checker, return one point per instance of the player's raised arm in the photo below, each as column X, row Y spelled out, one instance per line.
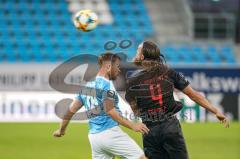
column 111, row 111
column 74, row 107
column 203, row 102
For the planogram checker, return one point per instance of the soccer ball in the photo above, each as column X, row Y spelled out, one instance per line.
column 85, row 20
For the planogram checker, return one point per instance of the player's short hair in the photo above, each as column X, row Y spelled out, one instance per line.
column 152, row 52
column 108, row 56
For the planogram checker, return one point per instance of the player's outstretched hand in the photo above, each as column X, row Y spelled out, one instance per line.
column 223, row 119
column 58, row 133
column 140, row 127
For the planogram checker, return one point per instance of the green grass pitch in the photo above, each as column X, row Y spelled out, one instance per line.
column 35, row 141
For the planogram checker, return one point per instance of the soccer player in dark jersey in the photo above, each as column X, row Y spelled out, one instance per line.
column 150, row 94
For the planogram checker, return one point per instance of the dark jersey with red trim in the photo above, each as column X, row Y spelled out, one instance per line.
column 152, row 90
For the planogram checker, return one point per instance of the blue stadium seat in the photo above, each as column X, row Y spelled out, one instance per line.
column 43, row 31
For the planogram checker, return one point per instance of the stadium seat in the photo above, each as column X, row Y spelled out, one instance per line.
column 43, row 31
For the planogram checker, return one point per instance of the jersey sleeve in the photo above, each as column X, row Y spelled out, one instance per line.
column 179, row 80
column 132, row 85
column 108, row 93
column 130, row 95
column 78, row 97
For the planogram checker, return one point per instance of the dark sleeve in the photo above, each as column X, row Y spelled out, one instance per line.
column 180, row 82
column 129, row 96
column 132, row 86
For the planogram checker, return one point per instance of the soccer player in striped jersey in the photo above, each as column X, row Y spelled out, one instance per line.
column 106, row 138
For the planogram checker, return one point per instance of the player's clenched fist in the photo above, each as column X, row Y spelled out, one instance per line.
column 58, row 133
column 140, row 127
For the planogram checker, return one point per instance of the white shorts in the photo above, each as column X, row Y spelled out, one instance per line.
column 114, row 142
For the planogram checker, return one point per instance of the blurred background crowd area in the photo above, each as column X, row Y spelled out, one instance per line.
column 199, row 38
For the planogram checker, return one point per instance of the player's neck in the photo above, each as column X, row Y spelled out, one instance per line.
column 103, row 74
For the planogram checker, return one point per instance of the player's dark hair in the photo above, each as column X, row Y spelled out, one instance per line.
column 108, row 56
column 151, row 52
column 153, row 59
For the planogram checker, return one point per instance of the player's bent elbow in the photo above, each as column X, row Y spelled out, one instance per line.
column 111, row 112
column 191, row 93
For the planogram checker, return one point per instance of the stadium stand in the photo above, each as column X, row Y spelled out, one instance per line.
column 34, row 30
column 41, row 30
column 199, row 53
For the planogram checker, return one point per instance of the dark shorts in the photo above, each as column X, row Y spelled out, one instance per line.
column 165, row 141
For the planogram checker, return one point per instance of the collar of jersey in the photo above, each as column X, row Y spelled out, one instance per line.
column 102, row 78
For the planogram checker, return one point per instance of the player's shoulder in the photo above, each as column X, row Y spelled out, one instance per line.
column 172, row 70
column 135, row 75
column 103, row 83
column 173, row 73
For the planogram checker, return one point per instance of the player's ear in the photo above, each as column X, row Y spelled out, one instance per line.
column 108, row 66
column 142, row 57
